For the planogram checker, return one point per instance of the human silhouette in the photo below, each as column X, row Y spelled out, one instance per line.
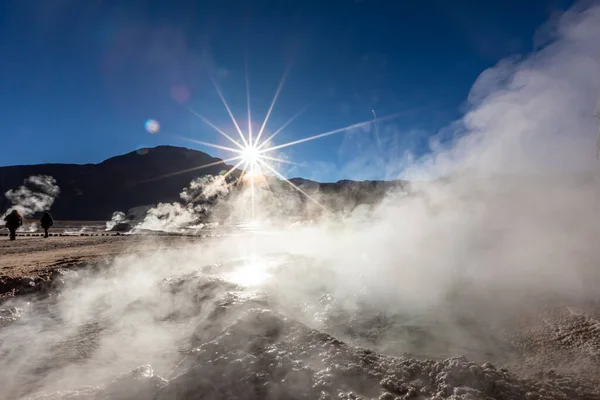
column 13, row 221
column 46, row 221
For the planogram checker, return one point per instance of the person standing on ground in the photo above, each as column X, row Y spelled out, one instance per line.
column 13, row 221
column 46, row 221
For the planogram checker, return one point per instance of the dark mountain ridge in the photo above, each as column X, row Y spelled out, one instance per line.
column 94, row 191
column 150, row 176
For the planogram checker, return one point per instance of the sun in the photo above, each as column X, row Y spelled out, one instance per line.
column 250, row 154
column 254, row 157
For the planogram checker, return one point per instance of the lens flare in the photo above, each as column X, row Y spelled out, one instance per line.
column 152, row 126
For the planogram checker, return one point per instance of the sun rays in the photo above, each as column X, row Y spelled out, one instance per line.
column 254, row 155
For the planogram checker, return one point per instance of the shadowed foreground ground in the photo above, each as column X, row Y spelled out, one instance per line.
column 249, row 345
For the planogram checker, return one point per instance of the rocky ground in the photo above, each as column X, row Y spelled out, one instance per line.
column 251, row 345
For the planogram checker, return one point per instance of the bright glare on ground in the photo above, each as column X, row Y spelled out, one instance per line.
column 252, row 272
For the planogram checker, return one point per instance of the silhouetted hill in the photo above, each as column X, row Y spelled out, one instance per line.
column 95, row 191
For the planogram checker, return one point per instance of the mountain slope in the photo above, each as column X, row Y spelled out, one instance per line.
column 95, row 191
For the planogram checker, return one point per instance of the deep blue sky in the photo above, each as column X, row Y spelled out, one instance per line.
column 79, row 78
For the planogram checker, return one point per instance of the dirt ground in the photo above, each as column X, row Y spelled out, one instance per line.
column 33, row 258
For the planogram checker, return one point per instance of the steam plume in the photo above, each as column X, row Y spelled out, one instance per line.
column 117, row 218
column 36, row 194
column 529, row 114
column 197, row 198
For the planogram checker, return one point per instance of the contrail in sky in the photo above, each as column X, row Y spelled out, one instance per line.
column 376, row 129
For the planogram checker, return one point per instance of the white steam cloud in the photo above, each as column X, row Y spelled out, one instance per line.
column 36, row 194
column 204, row 188
column 117, row 218
column 173, row 217
column 533, row 114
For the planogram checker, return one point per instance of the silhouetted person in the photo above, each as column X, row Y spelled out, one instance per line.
column 46, row 221
column 13, row 221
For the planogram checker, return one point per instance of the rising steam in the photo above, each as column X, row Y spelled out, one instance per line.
column 197, row 197
column 532, row 114
column 204, row 189
column 118, row 217
column 36, row 194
